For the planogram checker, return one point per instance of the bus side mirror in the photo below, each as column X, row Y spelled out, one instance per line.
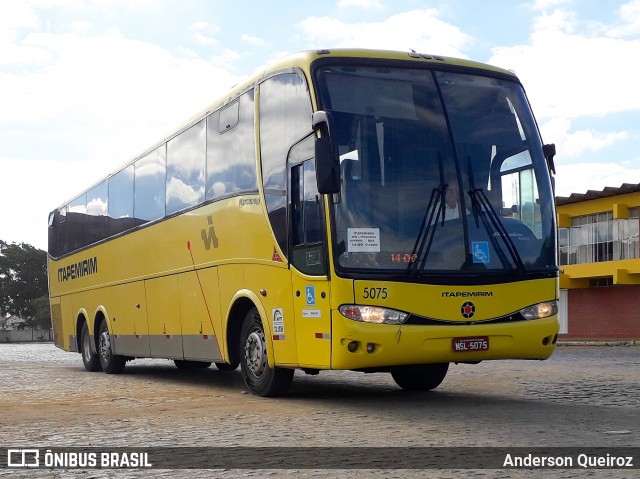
column 327, row 160
column 327, row 167
column 549, row 151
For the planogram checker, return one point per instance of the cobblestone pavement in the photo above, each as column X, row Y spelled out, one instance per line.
column 582, row 397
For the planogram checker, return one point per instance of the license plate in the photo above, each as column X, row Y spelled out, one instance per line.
column 463, row 345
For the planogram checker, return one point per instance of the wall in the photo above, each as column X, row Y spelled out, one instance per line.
column 26, row 336
column 604, row 313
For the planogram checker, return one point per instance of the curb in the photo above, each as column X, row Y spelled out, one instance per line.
column 599, row 342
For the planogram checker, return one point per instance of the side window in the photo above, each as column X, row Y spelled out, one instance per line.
column 97, row 210
column 306, row 211
column 76, row 223
column 150, row 177
column 58, row 232
column 52, row 233
column 229, row 116
column 185, row 168
column 121, row 201
column 231, row 152
column 285, row 117
column 520, row 198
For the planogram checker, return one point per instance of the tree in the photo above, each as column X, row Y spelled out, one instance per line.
column 23, row 283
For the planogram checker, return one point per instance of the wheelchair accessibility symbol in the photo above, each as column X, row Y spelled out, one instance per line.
column 311, row 295
column 480, row 251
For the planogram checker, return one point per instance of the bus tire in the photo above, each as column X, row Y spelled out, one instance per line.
column 260, row 378
column 111, row 363
column 90, row 359
column 227, row 367
column 186, row 365
column 421, row 377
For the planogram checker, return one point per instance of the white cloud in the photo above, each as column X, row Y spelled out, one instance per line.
column 366, row 4
column 83, row 105
column 571, row 73
column 199, row 26
column 202, row 33
column 575, row 70
column 81, row 26
column 629, row 20
column 250, row 39
column 205, row 40
column 571, row 144
column 546, row 4
column 31, row 189
column 107, row 76
column 580, row 177
column 14, row 16
column 420, row 30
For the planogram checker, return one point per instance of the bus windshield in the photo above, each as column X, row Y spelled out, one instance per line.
column 442, row 173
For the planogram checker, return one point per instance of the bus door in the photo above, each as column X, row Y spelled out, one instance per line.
column 308, row 263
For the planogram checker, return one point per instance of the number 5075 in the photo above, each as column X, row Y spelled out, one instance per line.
column 374, row 293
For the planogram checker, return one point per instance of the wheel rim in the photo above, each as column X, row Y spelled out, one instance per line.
column 105, row 345
column 255, row 353
column 86, row 346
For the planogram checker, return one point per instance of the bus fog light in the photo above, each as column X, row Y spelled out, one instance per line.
column 372, row 314
column 371, row 348
column 352, row 346
column 540, row 310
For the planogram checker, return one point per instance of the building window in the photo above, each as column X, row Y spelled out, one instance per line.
column 601, row 282
column 598, row 237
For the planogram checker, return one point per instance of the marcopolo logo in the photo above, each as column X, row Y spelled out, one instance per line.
column 468, row 309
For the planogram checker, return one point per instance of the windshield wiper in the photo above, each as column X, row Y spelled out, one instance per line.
column 483, row 209
column 435, row 212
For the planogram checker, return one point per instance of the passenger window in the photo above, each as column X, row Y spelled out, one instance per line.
column 186, row 161
column 121, row 201
column 231, row 152
column 150, row 177
column 229, row 117
column 76, row 222
column 97, row 213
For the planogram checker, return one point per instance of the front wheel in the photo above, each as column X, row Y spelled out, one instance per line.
column 260, row 378
column 111, row 363
column 90, row 359
column 421, row 377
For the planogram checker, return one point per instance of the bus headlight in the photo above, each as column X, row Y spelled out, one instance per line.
column 540, row 310
column 372, row 314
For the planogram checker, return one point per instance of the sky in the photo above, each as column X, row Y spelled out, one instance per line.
column 87, row 85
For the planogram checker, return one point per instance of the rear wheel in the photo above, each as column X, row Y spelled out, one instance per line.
column 422, row 377
column 111, row 363
column 187, row 365
column 90, row 359
column 260, row 378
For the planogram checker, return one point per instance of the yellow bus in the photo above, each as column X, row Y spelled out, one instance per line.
column 359, row 210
